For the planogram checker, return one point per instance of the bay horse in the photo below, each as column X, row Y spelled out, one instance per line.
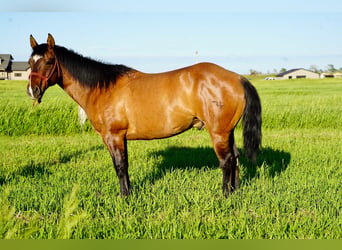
column 125, row 104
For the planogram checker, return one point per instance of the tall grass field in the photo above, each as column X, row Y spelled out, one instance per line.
column 57, row 180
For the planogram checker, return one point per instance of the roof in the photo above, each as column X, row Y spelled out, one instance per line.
column 20, row 66
column 290, row 71
column 5, row 60
column 6, row 64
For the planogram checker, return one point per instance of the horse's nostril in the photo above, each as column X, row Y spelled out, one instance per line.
column 36, row 91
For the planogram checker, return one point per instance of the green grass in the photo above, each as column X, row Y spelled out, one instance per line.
column 60, row 183
column 18, row 116
column 301, row 103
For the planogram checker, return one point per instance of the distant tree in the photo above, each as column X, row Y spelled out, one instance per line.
column 252, row 72
column 331, row 68
column 314, row 68
column 282, row 70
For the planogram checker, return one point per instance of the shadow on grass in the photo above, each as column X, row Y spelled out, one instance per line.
column 42, row 167
column 274, row 162
column 186, row 158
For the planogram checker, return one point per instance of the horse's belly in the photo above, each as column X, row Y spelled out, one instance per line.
column 158, row 127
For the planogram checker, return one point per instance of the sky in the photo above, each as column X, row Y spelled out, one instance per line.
column 155, row 36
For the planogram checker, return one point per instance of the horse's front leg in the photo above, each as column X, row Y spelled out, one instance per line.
column 117, row 146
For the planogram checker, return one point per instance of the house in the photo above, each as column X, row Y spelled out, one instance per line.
column 11, row 70
column 298, row 73
column 331, row 75
column 20, row 71
column 5, row 65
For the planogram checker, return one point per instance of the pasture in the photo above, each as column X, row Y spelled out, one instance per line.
column 57, row 181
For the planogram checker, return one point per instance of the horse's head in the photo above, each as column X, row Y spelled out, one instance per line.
column 45, row 70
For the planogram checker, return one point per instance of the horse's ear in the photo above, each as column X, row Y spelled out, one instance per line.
column 33, row 42
column 50, row 41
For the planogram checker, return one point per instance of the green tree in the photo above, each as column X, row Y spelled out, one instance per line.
column 252, row 72
column 331, row 68
column 314, row 68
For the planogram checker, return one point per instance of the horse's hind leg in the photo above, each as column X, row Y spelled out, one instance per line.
column 227, row 155
column 237, row 158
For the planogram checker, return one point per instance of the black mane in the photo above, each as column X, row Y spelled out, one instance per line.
column 88, row 72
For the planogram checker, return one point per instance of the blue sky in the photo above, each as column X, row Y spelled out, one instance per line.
column 155, row 36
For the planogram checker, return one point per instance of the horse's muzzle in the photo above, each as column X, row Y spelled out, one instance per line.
column 34, row 92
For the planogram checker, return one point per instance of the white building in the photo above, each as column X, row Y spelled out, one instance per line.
column 298, row 73
column 11, row 70
column 331, row 75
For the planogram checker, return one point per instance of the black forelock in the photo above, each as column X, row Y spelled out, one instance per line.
column 40, row 49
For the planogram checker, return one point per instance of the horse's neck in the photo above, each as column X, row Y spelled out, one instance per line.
column 77, row 92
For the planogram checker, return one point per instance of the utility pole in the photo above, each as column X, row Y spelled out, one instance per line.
column 196, row 55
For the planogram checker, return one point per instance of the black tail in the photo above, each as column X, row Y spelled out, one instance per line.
column 251, row 121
